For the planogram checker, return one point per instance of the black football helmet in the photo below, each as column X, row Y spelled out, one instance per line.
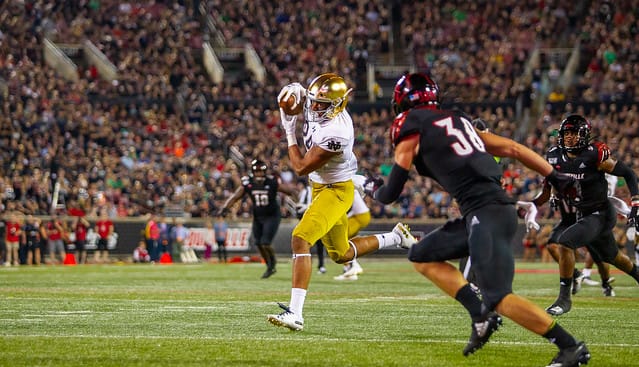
column 412, row 90
column 574, row 123
column 258, row 166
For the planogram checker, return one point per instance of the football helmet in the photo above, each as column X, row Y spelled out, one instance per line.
column 412, row 90
column 259, row 167
column 326, row 97
column 574, row 123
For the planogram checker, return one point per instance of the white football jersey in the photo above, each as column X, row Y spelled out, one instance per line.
column 335, row 135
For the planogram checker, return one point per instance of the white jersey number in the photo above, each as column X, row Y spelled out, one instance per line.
column 463, row 146
column 260, row 199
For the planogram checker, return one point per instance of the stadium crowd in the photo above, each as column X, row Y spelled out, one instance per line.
column 134, row 155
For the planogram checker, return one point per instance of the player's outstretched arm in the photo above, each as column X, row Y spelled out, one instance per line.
column 504, row 147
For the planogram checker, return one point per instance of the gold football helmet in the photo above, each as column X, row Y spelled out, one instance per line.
column 326, row 97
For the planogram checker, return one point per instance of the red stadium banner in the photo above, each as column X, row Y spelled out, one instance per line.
column 237, row 239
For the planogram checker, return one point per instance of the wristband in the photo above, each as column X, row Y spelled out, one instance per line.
column 291, row 139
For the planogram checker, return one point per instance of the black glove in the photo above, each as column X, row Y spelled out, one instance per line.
column 562, row 182
column 372, row 184
column 633, row 217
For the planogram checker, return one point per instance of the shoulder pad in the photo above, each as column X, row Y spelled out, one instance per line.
column 396, row 127
column 603, row 152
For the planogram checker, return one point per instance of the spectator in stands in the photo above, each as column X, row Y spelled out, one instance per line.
column 3, row 249
column 104, row 228
column 165, row 237
column 152, row 235
column 32, row 239
column 221, row 229
column 53, row 232
column 12, row 239
column 180, row 248
column 45, row 118
column 81, row 227
column 140, row 254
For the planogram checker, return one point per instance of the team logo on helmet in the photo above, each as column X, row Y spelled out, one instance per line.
column 412, row 90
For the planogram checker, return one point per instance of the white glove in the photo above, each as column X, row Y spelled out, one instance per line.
column 293, row 89
column 530, row 216
column 359, row 181
column 300, row 208
column 367, row 185
column 288, row 123
column 620, row 206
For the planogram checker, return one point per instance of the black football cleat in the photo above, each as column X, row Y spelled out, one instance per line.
column 571, row 357
column 481, row 332
column 268, row 273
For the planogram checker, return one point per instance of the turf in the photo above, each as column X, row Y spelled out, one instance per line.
column 215, row 315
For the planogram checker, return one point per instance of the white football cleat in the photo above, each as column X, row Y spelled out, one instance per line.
column 345, row 277
column 590, row 282
column 287, row 319
column 354, row 268
column 404, row 233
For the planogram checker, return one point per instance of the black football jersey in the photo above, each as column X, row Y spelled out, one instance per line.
column 591, row 192
column 452, row 153
column 263, row 195
column 566, row 209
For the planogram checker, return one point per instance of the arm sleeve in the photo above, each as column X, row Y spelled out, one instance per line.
column 395, row 184
column 628, row 174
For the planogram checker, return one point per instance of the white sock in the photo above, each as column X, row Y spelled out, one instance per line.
column 298, row 295
column 388, row 239
column 586, row 272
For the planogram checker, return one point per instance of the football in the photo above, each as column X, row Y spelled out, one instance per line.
column 287, row 106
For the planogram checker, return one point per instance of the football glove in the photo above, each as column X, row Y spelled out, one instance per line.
column 620, row 206
column 358, row 182
column 561, row 182
column 288, row 123
column 528, row 211
column 372, row 184
column 367, row 185
column 293, row 89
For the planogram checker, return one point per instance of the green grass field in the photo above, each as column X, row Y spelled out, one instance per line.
column 215, row 315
